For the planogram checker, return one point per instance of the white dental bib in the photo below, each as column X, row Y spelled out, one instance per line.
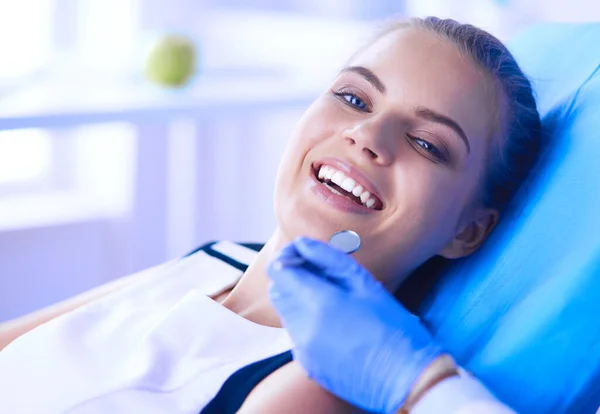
column 163, row 346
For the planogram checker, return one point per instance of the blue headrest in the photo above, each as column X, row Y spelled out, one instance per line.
column 523, row 314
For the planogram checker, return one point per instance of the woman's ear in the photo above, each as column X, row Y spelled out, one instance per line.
column 471, row 235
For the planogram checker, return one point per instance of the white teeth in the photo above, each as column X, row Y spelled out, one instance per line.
column 338, row 178
column 365, row 196
column 348, row 184
column 322, row 172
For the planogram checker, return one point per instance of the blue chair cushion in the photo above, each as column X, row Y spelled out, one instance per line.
column 523, row 314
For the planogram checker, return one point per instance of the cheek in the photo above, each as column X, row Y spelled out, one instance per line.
column 427, row 184
column 430, row 198
column 314, row 127
column 318, row 123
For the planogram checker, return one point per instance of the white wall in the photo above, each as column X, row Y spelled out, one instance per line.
column 33, row 271
column 197, row 177
column 505, row 18
column 223, row 190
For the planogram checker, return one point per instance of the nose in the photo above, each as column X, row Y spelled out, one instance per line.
column 375, row 138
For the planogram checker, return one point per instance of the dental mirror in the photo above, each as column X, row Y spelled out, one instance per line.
column 347, row 241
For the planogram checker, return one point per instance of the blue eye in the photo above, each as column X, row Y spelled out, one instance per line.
column 429, row 147
column 351, row 99
column 354, row 101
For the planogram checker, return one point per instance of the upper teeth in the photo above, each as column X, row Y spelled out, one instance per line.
column 347, row 183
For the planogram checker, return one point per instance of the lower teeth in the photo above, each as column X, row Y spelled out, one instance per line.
column 333, row 190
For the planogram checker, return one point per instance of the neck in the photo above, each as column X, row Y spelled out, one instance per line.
column 249, row 298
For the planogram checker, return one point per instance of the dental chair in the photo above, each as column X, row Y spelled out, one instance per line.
column 523, row 314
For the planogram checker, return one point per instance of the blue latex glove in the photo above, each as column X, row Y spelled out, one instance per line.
column 350, row 334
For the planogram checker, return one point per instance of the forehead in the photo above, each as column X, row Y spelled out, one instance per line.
column 419, row 68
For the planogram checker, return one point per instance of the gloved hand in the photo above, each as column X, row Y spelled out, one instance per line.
column 350, row 334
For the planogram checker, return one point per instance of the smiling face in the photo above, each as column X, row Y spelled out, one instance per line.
column 395, row 150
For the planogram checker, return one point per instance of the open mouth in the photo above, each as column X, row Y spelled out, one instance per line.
column 340, row 184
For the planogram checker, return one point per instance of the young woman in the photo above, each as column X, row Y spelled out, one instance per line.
column 417, row 145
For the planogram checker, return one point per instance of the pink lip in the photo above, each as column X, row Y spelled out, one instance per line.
column 351, row 172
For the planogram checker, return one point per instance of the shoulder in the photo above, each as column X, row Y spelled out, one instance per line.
column 216, row 266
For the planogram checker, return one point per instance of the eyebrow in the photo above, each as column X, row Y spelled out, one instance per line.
column 368, row 75
column 430, row 115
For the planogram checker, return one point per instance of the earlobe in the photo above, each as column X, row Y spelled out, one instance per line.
column 472, row 235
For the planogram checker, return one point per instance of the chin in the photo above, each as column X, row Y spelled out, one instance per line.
column 298, row 219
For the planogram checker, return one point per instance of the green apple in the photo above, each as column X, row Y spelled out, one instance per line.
column 171, row 61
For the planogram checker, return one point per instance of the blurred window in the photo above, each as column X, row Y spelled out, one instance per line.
column 26, row 158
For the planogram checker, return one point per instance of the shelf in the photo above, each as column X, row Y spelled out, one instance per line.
column 82, row 101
